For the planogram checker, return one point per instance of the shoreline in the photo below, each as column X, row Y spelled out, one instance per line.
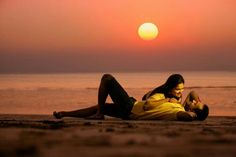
column 96, row 88
column 221, row 101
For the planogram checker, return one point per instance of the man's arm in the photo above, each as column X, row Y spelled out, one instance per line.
column 186, row 116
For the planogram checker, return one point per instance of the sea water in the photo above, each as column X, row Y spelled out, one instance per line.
column 44, row 93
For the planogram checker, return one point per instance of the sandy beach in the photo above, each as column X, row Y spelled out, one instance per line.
column 43, row 135
column 27, row 129
column 60, row 55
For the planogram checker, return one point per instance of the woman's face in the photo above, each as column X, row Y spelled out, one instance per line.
column 177, row 91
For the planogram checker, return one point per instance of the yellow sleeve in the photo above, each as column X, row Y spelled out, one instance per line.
column 162, row 111
column 138, row 107
column 154, row 101
column 149, row 104
column 157, row 96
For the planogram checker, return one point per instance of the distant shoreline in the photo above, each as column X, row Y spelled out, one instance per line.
column 96, row 88
column 114, row 72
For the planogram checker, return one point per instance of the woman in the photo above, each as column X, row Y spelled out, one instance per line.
column 171, row 91
column 163, row 103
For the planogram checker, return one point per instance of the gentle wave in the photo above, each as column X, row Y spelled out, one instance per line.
column 92, row 88
column 90, row 81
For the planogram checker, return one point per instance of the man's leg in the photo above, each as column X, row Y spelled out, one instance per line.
column 81, row 113
column 109, row 109
column 109, row 85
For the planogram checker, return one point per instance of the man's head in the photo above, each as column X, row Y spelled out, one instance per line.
column 201, row 110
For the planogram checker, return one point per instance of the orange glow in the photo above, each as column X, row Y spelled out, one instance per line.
column 82, row 25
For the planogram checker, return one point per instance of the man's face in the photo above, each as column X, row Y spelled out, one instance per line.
column 177, row 91
column 196, row 105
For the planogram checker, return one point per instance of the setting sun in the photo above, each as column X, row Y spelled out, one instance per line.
column 148, row 31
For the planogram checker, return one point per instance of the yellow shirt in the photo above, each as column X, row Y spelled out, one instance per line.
column 157, row 96
column 161, row 111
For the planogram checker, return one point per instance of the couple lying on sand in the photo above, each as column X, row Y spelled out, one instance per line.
column 161, row 103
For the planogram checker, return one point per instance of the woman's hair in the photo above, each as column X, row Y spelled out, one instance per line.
column 170, row 83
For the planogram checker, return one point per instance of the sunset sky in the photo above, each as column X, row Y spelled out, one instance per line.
column 38, row 36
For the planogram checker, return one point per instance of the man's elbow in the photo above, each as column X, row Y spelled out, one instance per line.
column 185, row 116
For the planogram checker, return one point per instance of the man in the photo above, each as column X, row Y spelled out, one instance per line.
column 157, row 107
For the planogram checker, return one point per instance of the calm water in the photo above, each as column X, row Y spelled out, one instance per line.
column 128, row 80
column 44, row 93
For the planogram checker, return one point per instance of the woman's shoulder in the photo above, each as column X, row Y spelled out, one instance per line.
column 158, row 96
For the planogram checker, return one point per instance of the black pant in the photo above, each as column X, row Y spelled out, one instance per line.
column 122, row 103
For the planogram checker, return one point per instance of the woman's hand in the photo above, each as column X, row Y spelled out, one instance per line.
column 173, row 100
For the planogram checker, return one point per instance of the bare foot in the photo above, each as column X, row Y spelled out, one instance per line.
column 96, row 116
column 57, row 115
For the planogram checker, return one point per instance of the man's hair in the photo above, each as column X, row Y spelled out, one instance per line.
column 202, row 114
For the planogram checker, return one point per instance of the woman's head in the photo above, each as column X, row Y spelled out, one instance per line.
column 174, row 85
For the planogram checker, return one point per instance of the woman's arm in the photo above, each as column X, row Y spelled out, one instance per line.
column 186, row 116
column 152, row 102
column 147, row 95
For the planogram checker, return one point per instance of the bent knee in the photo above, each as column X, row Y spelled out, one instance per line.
column 107, row 77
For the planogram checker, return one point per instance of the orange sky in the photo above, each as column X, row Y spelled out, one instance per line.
column 79, row 35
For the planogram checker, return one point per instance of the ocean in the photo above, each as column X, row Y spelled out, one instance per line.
column 45, row 93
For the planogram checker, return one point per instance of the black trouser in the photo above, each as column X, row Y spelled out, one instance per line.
column 122, row 103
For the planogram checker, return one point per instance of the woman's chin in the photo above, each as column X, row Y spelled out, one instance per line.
column 178, row 96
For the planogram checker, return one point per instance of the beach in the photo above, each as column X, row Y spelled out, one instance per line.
column 43, row 135
column 27, row 127
column 165, row 58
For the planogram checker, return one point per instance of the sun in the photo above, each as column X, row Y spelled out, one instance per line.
column 148, row 31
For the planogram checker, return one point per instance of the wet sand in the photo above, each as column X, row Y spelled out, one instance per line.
column 42, row 135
